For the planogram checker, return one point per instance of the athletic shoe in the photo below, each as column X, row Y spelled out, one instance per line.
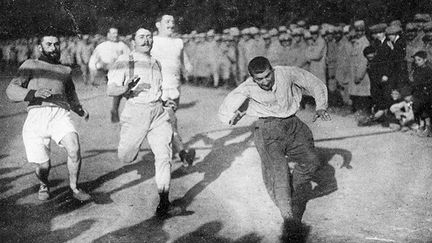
column 43, row 193
column 167, row 210
column 115, row 116
column 81, row 195
column 187, row 157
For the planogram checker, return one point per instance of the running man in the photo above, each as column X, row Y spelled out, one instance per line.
column 48, row 87
column 274, row 95
column 138, row 77
column 169, row 51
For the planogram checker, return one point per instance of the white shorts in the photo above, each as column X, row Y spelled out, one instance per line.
column 170, row 93
column 42, row 125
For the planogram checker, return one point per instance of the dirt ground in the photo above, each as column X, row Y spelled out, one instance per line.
column 382, row 182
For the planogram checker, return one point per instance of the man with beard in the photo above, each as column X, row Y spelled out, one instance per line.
column 169, row 51
column 144, row 115
column 48, row 87
column 274, row 95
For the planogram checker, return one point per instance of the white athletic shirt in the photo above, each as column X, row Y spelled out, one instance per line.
column 147, row 68
column 106, row 53
column 168, row 52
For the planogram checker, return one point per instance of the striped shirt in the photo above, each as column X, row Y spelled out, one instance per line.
column 282, row 101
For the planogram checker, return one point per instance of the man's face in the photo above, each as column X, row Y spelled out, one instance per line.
column 113, row 34
column 143, row 41
column 314, row 36
column 166, row 25
column 419, row 61
column 297, row 38
column 338, row 36
column 370, row 56
column 395, row 95
column 50, row 47
column 410, row 35
column 408, row 98
column 392, row 38
column 265, row 80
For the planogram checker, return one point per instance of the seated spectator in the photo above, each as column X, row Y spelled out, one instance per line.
column 402, row 111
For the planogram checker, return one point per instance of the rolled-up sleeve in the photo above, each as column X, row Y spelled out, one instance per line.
column 313, row 86
column 232, row 103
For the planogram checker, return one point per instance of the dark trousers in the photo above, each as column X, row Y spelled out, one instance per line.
column 278, row 142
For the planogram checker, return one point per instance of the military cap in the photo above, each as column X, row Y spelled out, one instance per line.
column 266, row 36
column 301, row 23
column 378, row 28
column 313, row 28
column 396, row 22
column 307, row 35
column 297, row 32
column 273, row 32
column 282, row 28
column 410, row 27
column 254, row 30
column 226, row 31
column 293, row 26
column 245, row 31
column 285, row 36
column 338, row 29
column 422, row 17
column 359, row 25
column 194, row 32
column 346, row 28
column 211, row 33
column 393, row 30
column 263, row 31
column 427, row 26
column 234, row 31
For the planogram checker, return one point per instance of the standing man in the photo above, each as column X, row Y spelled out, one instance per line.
column 170, row 53
column 84, row 51
column 274, row 95
column 51, row 95
column 103, row 57
column 143, row 115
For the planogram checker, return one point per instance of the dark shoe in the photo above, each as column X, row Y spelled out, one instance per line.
column 187, row 157
column 81, row 195
column 115, row 116
column 43, row 193
column 167, row 210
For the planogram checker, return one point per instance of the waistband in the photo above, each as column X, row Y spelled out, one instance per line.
column 276, row 118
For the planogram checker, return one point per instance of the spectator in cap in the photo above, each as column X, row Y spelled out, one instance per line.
column 267, row 40
column 301, row 23
column 286, row 57
column 360, row 28
column 399, row 67
column 335, row 100
column 316, row 54
column 381, row 72
column 250, row 49
column 282, row 29
column 273, row 51
column 411, row 48
column 422, row 93
column 298, row 49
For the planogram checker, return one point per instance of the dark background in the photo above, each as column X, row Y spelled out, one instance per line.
column 24, row 18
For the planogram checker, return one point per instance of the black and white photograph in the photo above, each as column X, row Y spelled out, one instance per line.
column 177, row 121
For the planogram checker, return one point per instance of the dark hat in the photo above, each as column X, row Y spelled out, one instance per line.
column 368, row 50
column 427, row 26
column 393, row 29
column 406, row 91
column 378, row 28
column 421, row 54
column 410, row 27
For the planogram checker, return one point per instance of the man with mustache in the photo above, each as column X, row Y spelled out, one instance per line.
column 48, row 87
column 169, row 51
column 138, row 77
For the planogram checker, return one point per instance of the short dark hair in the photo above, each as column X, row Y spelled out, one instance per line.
column 258, row 65
column 421, row 54
column 368, row 50
column 160, row 16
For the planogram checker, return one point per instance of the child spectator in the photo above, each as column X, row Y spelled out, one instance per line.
column 402, row 111
column 422, row 93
